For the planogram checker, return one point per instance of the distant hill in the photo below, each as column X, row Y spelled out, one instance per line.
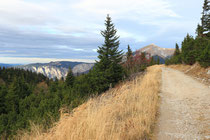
column 58, row 69
column 8, row 65
column 156, row 51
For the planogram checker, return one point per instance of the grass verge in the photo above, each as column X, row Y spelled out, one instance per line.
column 126, row 112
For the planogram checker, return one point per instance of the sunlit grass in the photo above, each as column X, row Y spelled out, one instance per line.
column 127, row 112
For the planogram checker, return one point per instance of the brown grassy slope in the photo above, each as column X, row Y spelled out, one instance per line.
column 127, row 112
column 195, row 71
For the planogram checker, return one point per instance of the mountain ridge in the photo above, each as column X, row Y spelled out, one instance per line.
column 8, row 65
column 58, row 69
column 156, row 50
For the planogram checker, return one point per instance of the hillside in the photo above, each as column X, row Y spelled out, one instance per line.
column 125, row 112
column 129, row 111
column 58, row 69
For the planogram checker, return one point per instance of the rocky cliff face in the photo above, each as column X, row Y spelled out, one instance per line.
column 82, row 68
column 58, row 69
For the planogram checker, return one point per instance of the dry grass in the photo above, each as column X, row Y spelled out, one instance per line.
column 195, row 71
column 127, row 112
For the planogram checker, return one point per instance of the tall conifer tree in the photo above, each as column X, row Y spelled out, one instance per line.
column 205, row 20
column 199, row 31
column 108, row 67
column 188, row 50
column 177, row 51
column 70, row 78
column 129, row 53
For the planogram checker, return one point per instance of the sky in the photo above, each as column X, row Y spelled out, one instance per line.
column 69, row 30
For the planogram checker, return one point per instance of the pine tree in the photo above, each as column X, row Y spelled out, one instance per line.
column 108, row 67
column 3, row 92
column 129, row 53
column 179, row 57
column 177, row 51
column 199, row 31
column 70, row 78
column 188, row 50
column 202, row 42
column 203, row 51
column 176, row 58
column 18, row 90
column 129, row 62
column 204, row 58
column 205, row 20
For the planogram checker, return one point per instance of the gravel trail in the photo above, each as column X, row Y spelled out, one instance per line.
column 184, row 109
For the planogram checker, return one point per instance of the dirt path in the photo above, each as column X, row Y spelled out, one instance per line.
column 184, row 109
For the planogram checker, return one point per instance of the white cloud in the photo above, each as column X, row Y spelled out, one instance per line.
column 126, row 8
column 64, row 47
column 80, row 15
column 78, row 49
column 125, row 34
column 94, row 50
column 8, row 51
column 82, row 18
column 23, row 13
column 74, row 26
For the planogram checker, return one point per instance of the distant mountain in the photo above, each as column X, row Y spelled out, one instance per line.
column 58, row 69
column 8, row 65
column 156, row 51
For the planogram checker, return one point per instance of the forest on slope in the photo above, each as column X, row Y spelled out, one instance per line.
column 126, row 112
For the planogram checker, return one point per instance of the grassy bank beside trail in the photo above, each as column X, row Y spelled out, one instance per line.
column 126, row 112
column 196, row 71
